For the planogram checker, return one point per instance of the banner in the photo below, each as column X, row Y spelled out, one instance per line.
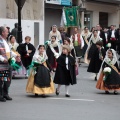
column 71, row 16
column 66, row 2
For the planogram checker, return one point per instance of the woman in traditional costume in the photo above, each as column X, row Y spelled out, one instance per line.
column 97, row 59
column 91, row 47
column 65, row 72
column 109, row 78
column 55, row 32
column 13, row 46
column 39, row 81
column 86, row 35
column 53, row 49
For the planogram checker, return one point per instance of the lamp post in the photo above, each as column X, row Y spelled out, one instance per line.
column 20, row 4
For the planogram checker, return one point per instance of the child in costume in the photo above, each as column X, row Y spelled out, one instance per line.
column 109, row 78
column 26, row 50
column 39, row 81
column 65, row 71
column 53, row 49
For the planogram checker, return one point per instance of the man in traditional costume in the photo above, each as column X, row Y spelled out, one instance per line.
column 112, row 38
column 5, row 68
column 102, row 35
column 78, row 43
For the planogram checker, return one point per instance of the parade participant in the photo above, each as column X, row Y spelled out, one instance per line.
column 109, row 78
column 13, row 46
column 97, row 58
column 78, row 43
column 65, row 72
column 39, row 81
column 73, row 53
column 86, row 35
column 106, row 37
column 112, row 38
column 55, row 32
column 91, row 46
column 53, row 49
column 118, row 40
column 68, row 42
column 26, row 51
column 92, row 29
column 63, row 33
column 5, row 69
column 101, row 34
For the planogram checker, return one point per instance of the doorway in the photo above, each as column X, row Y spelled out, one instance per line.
column 103, row 19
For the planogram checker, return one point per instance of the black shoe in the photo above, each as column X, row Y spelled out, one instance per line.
column 57, row 93
column 107, row 92
column 43, row 96
column 7, row 97
column 67, row 95
column 115, row 92
column 36, row 95
column 95, row 78
column 2, row 99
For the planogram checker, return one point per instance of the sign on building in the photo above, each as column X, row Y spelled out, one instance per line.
column 60, row 2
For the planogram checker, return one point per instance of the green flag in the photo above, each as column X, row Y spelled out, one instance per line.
column 71, row 16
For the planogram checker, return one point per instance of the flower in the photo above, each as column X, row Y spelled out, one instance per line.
column 100, row 39
column 109, row 45
column 107, row 70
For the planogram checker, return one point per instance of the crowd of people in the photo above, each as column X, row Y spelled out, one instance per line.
column 61, row 55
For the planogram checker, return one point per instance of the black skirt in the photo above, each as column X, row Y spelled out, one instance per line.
column 113, row 79
column 91, row 51
column 42, row 77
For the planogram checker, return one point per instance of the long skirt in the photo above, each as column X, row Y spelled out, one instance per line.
column 35, row 89
column 91, row 51
column 78, row 51
column 102, row 85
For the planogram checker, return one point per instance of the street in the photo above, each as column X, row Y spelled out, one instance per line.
column 85, row 103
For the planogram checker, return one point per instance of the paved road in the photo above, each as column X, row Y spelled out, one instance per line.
column 86, row 103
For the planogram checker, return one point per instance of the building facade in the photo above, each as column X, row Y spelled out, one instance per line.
column 103, row 12
column 32, row 15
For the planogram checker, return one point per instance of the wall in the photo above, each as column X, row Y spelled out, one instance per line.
column 27, row 28
column 52, row 17
column 112, row 10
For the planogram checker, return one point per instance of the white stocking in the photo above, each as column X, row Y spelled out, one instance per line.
column 67, row 89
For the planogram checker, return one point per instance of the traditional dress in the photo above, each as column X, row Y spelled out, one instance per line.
column 65, row 72
column 5, row 68
column 110, row 81
column 21, row 71
column 39, row 81
column 78, row 44
column 57, row 34
column 91, row 48
column 96, row 60
column 112, row 38
column 86, row 37
column 52, row 50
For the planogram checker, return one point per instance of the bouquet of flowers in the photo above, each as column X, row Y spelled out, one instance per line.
column 14, row 64
column 106, row 71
